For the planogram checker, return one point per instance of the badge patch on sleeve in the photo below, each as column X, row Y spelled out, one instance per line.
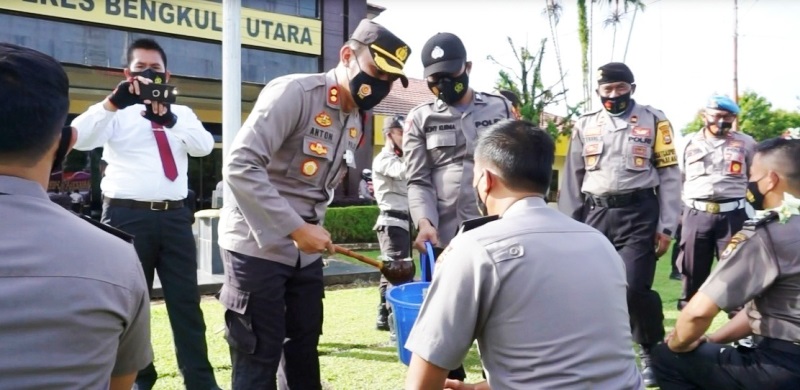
column 664, row 149
column 733, row 245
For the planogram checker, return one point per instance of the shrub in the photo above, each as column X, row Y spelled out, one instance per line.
column 352, row 224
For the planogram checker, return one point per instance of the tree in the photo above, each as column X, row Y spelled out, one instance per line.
column 583, row 36
column 614, row 18
column 534, row 96
column 756, row 118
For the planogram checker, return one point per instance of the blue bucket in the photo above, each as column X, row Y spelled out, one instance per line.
column 406, row 300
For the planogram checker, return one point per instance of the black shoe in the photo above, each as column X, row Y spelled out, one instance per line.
column 382, row 322
column 648, row 375
column 675, row 276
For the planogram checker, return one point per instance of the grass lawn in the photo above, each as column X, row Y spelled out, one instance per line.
column 353, row 355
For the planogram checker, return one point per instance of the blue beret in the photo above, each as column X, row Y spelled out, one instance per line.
column 721, row 102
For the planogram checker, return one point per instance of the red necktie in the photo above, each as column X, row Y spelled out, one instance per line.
column 167, row 161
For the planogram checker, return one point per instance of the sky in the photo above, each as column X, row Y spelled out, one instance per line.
column 680, row 51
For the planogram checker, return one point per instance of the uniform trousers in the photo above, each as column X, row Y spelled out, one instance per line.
column 773, row 364
column 165, row 243
column 273, row 322
column 632, row 229
column 705, row 235
column 394, row 242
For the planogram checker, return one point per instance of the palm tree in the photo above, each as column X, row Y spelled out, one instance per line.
column 614, row 18
column 583, row 35
column 553, row 11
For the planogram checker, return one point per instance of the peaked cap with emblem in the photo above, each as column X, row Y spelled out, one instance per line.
column 613, row 72
column 388, row 51
column 443, row 53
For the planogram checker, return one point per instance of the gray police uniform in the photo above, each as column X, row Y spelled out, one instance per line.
column 760, row 269
column 438, row 146
column 622, row 178
column 508, row 283
column 391, row 193
column 292, row 151
column 715, row 174
column 74, row 309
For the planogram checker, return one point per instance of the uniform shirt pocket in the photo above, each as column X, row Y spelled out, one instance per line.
column 592, row 151
column 441, row 145
column 312, row 165
column 733, row 158
column 638, row 158
column 695, row 163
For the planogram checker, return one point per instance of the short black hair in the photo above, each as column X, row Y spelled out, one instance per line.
column 522, row 152
column 787, row 152
column 34, row 102
column 146, row 44
column 511, row 96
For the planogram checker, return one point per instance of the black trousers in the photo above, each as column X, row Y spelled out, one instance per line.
column 704, row 236
column 632, row 229
column 165, row 243
column 273, row 322
column 676, row 248
column 717, row 366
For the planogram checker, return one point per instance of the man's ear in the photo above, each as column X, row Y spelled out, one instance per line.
column 168, row 73
column 345, row 53
column 633, row 88
column 491, row 179
column 127, row 73
column 468, row 67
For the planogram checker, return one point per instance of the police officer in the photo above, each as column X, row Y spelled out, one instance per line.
column 391, row 192
column 365, row 185
column 292, row 151
column 622, row 177
column 715, row 164
column 760, row 269
column 440, row 139
column 505, row 283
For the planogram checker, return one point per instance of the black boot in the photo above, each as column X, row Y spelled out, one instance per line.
column 648, row 375
column 382, row 323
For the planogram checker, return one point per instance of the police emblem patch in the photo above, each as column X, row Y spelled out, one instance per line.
column 310, row 167
column 323, row 119
column 736, row 240
column 401, row 53
column 318, row 148
column 364, row 91
column 353, row 132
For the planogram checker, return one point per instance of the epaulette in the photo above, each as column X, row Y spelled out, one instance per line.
column 755, row 222
column 658, row 113
column 476, row 223
column 108, row 229
column 590, row 112
column 418, row 106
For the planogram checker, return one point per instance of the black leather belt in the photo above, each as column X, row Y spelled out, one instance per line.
column 135, row 204
column 621, row 200
column 311, row 221
column 779, row 345
column 395, row 214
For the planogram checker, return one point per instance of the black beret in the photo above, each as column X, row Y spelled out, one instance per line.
column 613, row 72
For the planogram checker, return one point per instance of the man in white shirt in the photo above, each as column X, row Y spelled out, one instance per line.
column 144, row 193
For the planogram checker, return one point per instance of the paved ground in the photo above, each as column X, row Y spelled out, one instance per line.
column 336, row 272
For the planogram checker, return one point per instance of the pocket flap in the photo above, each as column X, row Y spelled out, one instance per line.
column 592, row 149
column 317, row 148
column 640, row 151
column 440, row 139
column 234, row 299
column 694, row 154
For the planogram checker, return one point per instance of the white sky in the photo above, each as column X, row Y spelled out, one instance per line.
column 681, row 51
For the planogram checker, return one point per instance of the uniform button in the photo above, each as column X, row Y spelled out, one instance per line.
column 515, row 251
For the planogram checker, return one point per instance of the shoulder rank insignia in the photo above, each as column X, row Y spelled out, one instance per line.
column 734, row 243
column 108, row 229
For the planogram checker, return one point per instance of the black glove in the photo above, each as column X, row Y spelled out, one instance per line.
column 167, row 120
column 121, row 97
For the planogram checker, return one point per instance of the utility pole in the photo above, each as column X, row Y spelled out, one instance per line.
column 231, row 80
column 736, row 51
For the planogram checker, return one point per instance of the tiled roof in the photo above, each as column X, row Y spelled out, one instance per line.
column 402, row 100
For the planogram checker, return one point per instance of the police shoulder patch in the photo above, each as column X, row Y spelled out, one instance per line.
column 733, row 245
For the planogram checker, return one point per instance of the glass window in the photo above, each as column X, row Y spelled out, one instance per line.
column 304, row 8
column 97, row 46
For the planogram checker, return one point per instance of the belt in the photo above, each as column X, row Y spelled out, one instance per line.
column 395, row 214
column 621, row 200
column 135, row 204
column 311, row 221
column 779, row 345
column 716, row 207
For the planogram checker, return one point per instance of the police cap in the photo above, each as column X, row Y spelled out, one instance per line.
column 388, row 51
column 443, row 53
column 614, row 72
column 393, row 122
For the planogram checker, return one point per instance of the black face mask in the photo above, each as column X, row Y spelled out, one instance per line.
column 722, row 127
column 63, row 149
column 156, row 77
column 481, row 204
column 616, row 105
column 754, row 196
column 450, row 89
column 368, row 91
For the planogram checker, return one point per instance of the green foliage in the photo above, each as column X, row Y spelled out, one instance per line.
column 583, row 36
column 757, row 118
column 534, row 95
column 352, row 224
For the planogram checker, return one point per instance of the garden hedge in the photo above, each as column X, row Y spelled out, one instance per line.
column 352, row 224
